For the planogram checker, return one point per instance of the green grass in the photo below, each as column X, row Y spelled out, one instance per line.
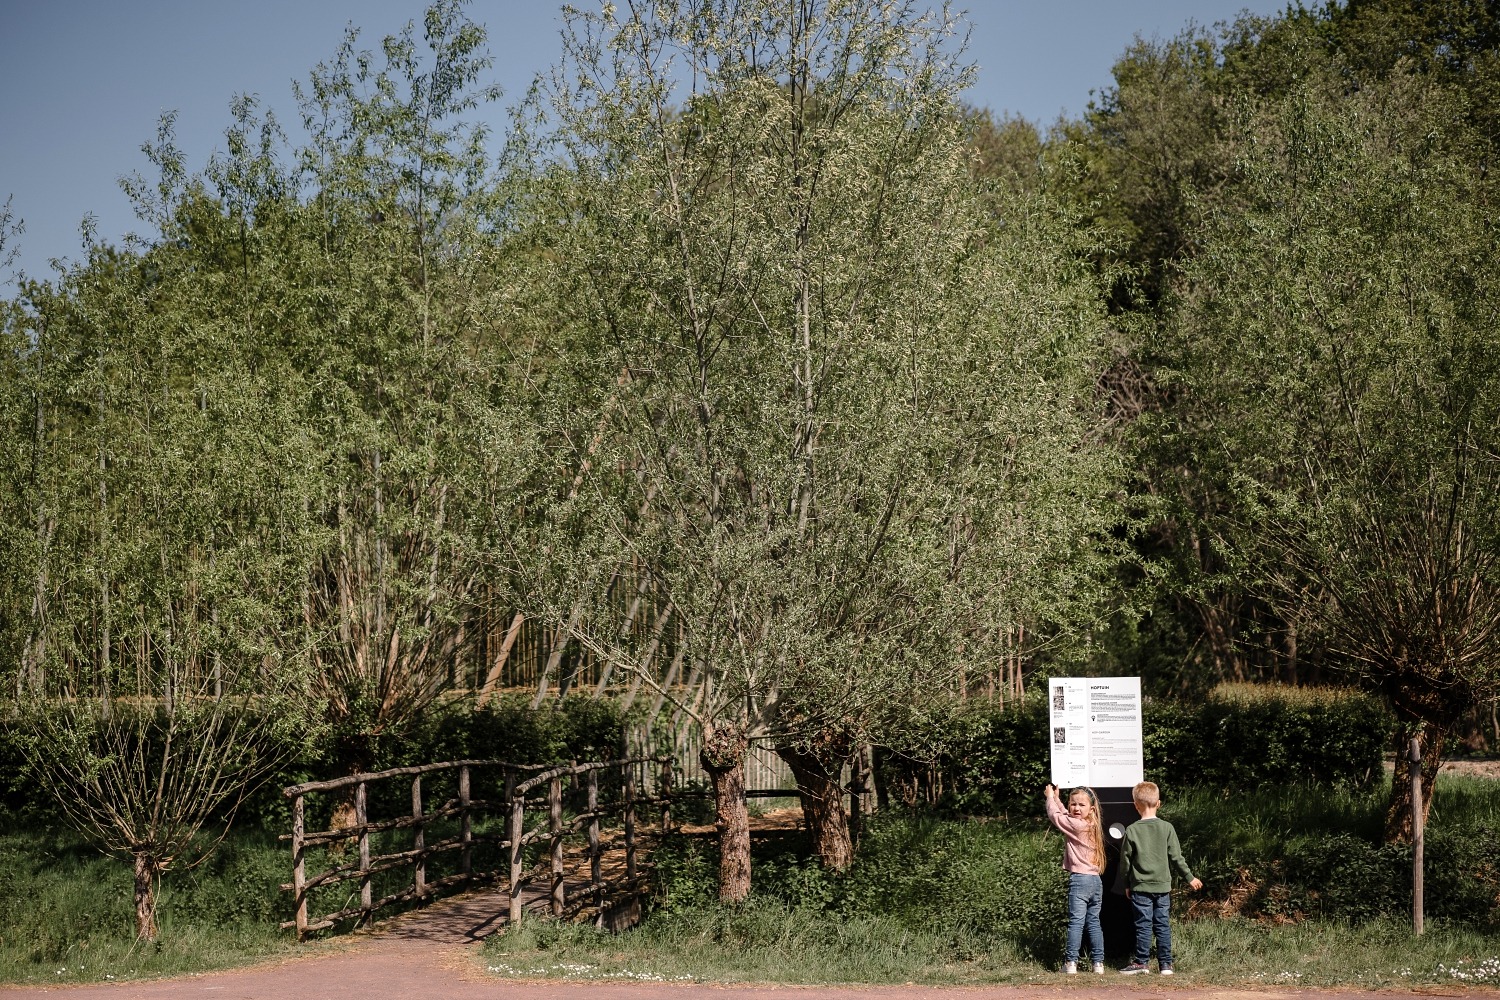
column 768, row 941
column 67, row 912
column 967, row 902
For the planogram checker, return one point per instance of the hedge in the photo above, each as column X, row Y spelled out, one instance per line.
column 994, row 759
column 505, row 729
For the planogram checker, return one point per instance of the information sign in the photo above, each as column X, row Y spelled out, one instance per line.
column 1095, row 731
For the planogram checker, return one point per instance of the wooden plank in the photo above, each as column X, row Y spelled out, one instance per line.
column 399, row 772
column 628, row 817
column 666, row 796
column 517, row 824
column 387, row 862
column 466, row 863
column 594, row 855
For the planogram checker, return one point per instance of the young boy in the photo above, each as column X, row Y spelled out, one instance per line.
column 1147, row 858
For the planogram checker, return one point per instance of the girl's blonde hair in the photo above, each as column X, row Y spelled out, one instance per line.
column 1096, row 823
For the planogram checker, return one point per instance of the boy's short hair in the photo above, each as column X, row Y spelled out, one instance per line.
column 1146, row 794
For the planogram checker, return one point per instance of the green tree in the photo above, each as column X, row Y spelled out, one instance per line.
column 1152, row 165
column 805, row 392
column 1338, row 349
column 155, row 683
column 390, row 279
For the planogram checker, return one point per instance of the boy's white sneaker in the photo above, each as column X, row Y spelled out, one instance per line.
column 1098, row 968
column 1070, row 968
column 1165, row 970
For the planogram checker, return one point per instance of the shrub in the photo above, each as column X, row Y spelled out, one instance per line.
column 1305, row 852
column 509, row 729
column 994, row 760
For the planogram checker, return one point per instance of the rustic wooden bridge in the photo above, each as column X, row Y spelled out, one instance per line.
column 488, row 811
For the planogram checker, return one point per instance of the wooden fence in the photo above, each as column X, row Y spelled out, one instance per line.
column 534, row 790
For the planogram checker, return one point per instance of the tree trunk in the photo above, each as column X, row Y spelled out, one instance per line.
column 492, row 679
column 1431, row 736
column 723, row 757
column 354, row 760
column 146, row 869
column 823, row 802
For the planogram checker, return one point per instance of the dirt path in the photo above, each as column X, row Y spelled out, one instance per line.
column 1478, row 768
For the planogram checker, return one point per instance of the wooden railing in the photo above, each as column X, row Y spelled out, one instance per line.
column 526, row 788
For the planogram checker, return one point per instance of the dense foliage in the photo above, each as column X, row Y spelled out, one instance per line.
column 507, row 729
column 996, row 761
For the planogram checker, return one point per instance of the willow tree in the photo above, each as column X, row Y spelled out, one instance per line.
column 1338, row 356
column 805, row 394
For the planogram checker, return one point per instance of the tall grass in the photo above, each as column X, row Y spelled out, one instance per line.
column 67, row 912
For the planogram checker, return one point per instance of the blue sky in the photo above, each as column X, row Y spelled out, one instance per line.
column 85, row 81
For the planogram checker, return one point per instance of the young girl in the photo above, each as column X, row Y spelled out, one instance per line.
column 1083, row 859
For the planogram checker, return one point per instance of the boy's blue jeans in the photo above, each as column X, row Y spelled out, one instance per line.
column 1085, row 896
column 1153, row 912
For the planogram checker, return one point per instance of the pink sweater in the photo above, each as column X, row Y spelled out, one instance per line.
column 1078, row 852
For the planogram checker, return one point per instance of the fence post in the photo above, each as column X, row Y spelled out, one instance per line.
column 517, row 825
column 554, row 803
column 466, row 831
column 1416, row 837
column 362, row 820
column 299, row 867
column 595, row 876
column 629, row 783
column 666, row 796
column 418, row 838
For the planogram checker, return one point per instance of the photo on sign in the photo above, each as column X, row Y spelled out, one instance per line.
column 1060, row 734
column 1059, row 703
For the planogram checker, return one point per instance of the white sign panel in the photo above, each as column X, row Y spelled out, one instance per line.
column 1095, row 731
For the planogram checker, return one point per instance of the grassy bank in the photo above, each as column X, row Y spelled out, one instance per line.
column 766, row 941
column 67, row 912
column 1299, row 893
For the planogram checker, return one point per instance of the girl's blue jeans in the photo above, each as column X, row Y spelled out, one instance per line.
column 1153, row 913
column 1085, row 896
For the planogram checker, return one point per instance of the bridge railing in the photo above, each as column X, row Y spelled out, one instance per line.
column 534, row 791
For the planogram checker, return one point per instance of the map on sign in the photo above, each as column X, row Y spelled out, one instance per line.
column 1095, row 729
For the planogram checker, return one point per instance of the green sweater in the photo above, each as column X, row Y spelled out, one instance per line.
column 1150, row 854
